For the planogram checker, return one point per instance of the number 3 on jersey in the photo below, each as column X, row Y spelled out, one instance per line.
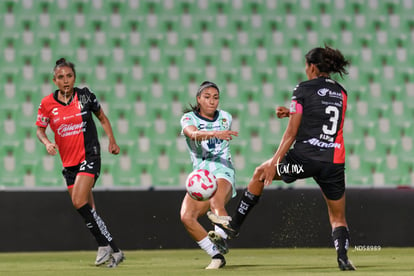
column 334, row 112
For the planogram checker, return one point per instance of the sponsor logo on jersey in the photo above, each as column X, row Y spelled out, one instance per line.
column 71, row 129
column 321, row 144
column 325, row 91
column 68, row 117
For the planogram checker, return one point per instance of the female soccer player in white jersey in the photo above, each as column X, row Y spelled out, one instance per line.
column 207, row 131
column 316, row 119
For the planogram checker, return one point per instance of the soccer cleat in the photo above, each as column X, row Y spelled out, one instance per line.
column 219, row 242
column 217, row 262
column 103, row 255
column 224, row 223
column 345, row 265
column 116, row 259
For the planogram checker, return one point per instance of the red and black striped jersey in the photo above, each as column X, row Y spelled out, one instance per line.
column 73, row 125
column 322, row 102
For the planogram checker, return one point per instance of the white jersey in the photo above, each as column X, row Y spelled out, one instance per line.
column 213, row 154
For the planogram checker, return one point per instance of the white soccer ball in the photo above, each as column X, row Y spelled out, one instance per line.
column 201, row 185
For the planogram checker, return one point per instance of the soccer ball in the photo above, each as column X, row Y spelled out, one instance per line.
column 201, row 185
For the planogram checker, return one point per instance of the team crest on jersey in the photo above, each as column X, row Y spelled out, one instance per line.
column 224, row 123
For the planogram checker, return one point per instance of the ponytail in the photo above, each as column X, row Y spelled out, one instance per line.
column 328, row 60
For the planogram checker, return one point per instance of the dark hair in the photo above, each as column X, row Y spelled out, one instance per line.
column 328, row 60
column 204, row 85
column 62, row 63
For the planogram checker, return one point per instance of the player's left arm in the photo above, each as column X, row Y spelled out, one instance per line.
column 106, row 125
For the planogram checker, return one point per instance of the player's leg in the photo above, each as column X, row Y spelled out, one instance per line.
column 331, row 179
column 217, row 206
column 91, row 200
column 190, row 211
column 222, row 196
column 248, row 200
column 340, row 232
column 81, row 198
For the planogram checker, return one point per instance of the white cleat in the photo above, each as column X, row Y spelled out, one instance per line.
column 216, row 263
column 116, row 259
column 224, row 223
column 225, row 220
column 103, row 255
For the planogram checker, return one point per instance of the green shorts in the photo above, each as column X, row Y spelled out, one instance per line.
column 220, row 171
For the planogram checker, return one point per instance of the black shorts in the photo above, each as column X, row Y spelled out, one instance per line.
column 91, row 167
column 329, row 176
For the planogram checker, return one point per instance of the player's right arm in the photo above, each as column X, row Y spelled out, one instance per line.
column 41, row 135
column 195, row 134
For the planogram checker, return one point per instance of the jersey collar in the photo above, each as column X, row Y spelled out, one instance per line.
column 55, row 96
column 216, row 114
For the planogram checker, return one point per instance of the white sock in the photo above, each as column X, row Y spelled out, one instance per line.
column 208, row 246
column 220, row 231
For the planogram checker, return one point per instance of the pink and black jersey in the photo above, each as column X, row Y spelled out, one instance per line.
column 73, row 125
column 322, row 102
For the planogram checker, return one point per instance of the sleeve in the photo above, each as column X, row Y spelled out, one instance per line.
column 42, row 116
column 186, row 120
column 296, row 105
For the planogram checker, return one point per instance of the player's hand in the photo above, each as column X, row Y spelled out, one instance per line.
column 269, row 172
column 113, row 148
column 51, row 148
column 226, row 134
column 282, row 112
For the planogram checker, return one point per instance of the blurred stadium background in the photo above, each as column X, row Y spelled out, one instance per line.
column 144, row 60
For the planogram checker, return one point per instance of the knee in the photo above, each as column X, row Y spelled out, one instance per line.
column 78, row 203
column 187, row 218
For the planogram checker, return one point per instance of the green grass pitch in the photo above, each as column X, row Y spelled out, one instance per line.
column 294, row 261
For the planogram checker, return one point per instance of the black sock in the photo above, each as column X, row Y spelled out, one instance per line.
column 97, row 227
column 246, row 203
column 340, row 236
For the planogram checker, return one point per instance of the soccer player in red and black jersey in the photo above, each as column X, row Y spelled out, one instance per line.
column 316, row 119
column 68, row 112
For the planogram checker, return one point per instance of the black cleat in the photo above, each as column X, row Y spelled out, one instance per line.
column 219, row 242
column 345, row 265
